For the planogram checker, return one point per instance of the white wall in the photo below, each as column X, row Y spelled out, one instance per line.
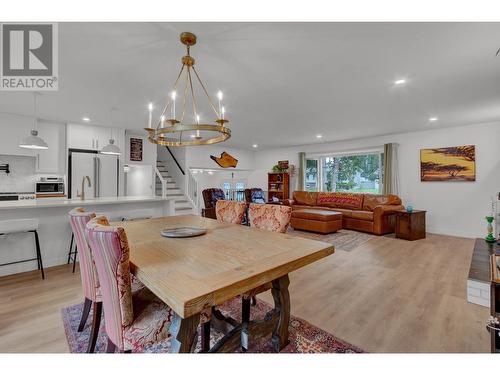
column 199, row 157
column 454, row 208
column 140, row 178
column 148, row 149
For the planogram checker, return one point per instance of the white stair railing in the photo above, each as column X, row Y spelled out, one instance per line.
column 192, row 191
column 163, row 183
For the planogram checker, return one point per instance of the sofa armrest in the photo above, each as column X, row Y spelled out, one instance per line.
column 384, row 218
column 288, row 202
column 387, row 209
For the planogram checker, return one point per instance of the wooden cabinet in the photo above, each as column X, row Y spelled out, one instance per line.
column 278, row 186
column 410, row 225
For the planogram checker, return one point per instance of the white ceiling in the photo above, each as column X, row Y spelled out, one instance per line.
column 283, row 82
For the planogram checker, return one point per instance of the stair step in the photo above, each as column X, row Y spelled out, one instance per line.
column 183, row 208
column 182, row 205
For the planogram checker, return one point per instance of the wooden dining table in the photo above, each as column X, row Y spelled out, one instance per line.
column 195, row 275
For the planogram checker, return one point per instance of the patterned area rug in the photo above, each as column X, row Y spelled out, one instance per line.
column 344, row 239
column 304, row 337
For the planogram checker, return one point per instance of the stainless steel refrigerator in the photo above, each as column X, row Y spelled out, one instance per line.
column 102, row 170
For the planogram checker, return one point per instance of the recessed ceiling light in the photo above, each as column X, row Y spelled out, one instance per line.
column 255, row 145
column 433, row 119
column 319, row 136
column 86, row 119
column 401, row 81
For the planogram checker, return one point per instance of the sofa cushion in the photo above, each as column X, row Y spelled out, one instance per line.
column 301, row 207
column 342, row 200
column 307, row 198
column 319, row 215
column 344, row 211
column 362, row 215
column 373, row 200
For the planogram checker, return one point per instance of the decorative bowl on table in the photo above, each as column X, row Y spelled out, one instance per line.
column 183, row 232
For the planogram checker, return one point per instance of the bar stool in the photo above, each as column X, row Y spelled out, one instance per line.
column 72, row 253
column 23, row 226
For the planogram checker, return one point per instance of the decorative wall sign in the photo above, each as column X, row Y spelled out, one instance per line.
column 135, row 149
column 283, row 164
column 448, row 164
column 225, row 160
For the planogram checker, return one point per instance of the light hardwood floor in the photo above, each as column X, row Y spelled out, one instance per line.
column 387, row 295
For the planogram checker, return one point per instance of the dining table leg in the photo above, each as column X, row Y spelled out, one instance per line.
column 281, row 298
column 184, row 331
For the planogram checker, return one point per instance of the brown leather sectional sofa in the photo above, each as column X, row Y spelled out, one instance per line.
column 370, row 213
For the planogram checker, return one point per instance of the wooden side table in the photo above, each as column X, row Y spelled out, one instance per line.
column 410, row 225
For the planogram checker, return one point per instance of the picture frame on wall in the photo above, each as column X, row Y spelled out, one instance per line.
column 448, row 163
column 136, row 149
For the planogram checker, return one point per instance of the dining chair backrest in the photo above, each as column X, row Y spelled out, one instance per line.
column 110, row 249
column 272, row 217
column 78, row 219
column 232, row 212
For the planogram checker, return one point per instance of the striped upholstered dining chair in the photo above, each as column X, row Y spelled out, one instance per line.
column 133, row 319
column 231, row 212
column 78, row 219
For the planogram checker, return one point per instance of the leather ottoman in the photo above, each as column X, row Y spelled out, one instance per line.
column 319, row 221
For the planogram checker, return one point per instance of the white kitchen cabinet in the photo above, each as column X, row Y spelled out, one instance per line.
column 14, row 129
column 52, row 159
column 81, row 136
column 90, row 137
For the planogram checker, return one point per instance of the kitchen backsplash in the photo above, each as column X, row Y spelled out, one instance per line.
column 22, row 174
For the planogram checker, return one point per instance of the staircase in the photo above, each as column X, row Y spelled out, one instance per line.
column 182, row 204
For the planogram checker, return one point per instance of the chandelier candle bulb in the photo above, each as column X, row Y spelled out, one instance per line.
column 222, row 112
column 174, row 94
column 220, row 96
column 150, row 107
column 198, row 123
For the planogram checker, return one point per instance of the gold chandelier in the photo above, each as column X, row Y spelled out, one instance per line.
column 179, row 131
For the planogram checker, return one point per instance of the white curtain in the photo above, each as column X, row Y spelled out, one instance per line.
column 391, row 169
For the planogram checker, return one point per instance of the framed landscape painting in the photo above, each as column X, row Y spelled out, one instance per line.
column 448, row 164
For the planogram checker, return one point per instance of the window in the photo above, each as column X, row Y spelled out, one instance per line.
column 360, row 173
column 311, row 177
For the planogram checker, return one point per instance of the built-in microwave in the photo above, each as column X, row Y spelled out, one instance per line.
column 50, row 186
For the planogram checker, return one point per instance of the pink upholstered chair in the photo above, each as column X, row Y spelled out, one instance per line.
column 231, row 212
column 133, row 319
column 78, row 219
column 270, row 217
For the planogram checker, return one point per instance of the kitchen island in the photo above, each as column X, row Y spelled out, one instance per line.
column 54, row 228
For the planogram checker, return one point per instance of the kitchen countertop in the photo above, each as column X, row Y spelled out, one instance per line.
column 58, row 202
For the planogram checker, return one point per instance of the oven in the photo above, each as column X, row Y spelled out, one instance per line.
column 53, row 186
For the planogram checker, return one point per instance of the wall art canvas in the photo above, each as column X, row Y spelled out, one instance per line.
column 448, row 164
column 135, row 149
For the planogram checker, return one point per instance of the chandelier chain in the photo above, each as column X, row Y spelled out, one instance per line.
column 184, row 100
column 206, row 93
column 195, row 110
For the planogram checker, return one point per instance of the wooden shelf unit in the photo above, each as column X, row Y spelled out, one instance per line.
column 278, row 185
